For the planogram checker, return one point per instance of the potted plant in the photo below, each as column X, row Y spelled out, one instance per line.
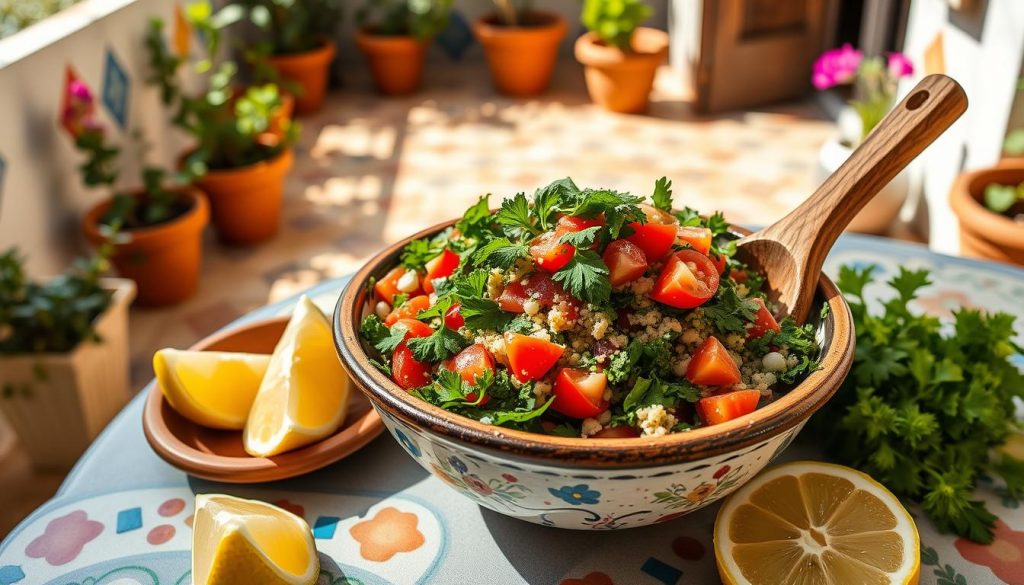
column 299, row 44
column 874, row 81
column 521, row 45
column 394, row 34
column 63, row 356
column 242, row 150
column 159, row 225
column 620, row 57
column 990, row 206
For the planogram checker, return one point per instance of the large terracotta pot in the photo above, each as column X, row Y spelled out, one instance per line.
column 163, row 259
column 618, row 81
column 395, row 62
column 246, row 202
column 881, row 212
column 983, row 233
column 309, row 71
column 521, row 58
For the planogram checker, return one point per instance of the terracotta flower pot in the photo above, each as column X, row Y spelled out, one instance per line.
column 163, row 259
column 622, row 82
column 983, row 233
column 309, row 71
column 59, row 402
column 395, row 62
column 246, row 202
column 521, row 58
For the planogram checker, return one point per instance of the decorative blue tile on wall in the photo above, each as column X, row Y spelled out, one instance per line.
column 457, row 37
column 128, row 520
column 324, row 527
column 115, row 89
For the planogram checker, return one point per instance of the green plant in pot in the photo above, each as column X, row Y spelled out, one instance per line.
column 620, row 58
column 63, row 355
column 242, row 150
column 297, row 44
column 521, row 45
column 394, row 34
column 989, row 203
column 160, row 224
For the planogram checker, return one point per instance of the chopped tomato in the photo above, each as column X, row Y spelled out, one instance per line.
column 699, row 238
column 387, row 287
column 764, row 321
column 712, row 365
column 686, row 281
column 513, row 297
column 655, row 215
column 626, row 262
column 720, row 262
column 406, row 371
column 571, row 223
column 655, row 239
column 619, row 432
column 440, row 267
column 530, row 357
column 718, row 409
column 739, row 276
column 471, row 363
column 408, row 310
column 580, row 393
column 541, row 287
column 415, row 328
column 453, row 318
column 549, row 254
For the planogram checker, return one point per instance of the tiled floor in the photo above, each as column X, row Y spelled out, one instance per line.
column 371, row 170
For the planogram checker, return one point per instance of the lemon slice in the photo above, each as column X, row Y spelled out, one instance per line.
column 304, row 394
column 245, row 542
column 815, row 524
column 210, row 388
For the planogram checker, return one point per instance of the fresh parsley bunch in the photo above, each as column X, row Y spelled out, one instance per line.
column 922, row 410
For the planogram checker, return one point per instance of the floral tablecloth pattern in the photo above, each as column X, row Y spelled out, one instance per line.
column 123, row 516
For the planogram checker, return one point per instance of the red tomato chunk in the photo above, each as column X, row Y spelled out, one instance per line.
column 712, row 365
column 718, row 409
column 580, row 393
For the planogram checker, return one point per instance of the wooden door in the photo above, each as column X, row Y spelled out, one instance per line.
column 754, row 52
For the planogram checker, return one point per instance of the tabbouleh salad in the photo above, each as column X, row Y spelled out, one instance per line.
column 584, row 312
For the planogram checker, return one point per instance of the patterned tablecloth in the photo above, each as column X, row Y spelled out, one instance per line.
column 123, row 516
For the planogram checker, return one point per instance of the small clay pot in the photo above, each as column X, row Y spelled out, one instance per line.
column 396, row 62
column 163, row 259
column 983, row 233
column 619, row 81
column 309, row 71
column 521, row 58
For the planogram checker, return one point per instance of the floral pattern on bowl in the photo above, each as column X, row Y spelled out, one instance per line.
column 585, row 499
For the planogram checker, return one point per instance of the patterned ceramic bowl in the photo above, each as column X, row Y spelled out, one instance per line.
column 588, row 483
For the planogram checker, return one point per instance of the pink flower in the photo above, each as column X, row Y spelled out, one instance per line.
column 64, row 538
column 900, row 66
column 836, row 67
column 80, row 92
column 477, row 485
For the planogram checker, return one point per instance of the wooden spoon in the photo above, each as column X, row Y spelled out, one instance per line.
column 790, row 252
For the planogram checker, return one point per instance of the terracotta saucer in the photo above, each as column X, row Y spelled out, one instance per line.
column 218, row 455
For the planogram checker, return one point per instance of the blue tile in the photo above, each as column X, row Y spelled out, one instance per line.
column 115, row 89
column 128, row 520
column 457, row 37
column 11, row 574
column 324, row 527
column 665, row 573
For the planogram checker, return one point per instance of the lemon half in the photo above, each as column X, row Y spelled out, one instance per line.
column 210, row 388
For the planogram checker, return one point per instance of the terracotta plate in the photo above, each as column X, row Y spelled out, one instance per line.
column 218, row 455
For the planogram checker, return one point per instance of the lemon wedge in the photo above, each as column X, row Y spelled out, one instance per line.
column 304, row 394
column 210, row 388
column 815, row 524
column 245, row 542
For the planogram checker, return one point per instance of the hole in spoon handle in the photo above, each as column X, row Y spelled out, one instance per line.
column 917, row 100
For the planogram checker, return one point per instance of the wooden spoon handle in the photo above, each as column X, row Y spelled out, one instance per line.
column 810, row 230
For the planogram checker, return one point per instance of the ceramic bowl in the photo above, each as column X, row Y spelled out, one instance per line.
column 589, row 483
column 218, row 455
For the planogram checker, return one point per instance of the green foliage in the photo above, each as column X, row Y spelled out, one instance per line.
column 232, row 127
column 615, row 20
column 54, row 316
column 293, row 26
column 1001, row 198
column 16, row 15
column 921, row 410
column 422, row 19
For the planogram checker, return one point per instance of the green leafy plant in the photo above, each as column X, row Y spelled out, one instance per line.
column 293, row 26
column 54, row 316
column 922, row 410
column 615, row 20
column 233, row 127
column 1002, row 198
column 422, row 19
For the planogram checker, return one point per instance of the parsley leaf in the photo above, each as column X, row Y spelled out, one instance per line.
column 395, row 336
column 418, row 252
column 515, row 216
column 586, row 277
column 441, row 345
column 618, row 208
column 475, row 223
column 484, row 314
column 373, row 330
column 727, row 311
column 546, row 200
column 582, row 238
column 662, row 196
column 500, row 252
